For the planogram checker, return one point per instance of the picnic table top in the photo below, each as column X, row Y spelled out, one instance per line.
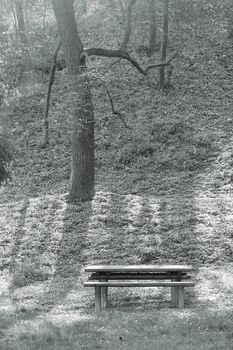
column 138, row 268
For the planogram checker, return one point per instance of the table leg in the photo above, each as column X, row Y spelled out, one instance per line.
column 174, row 295
column 180, row 297
column 98, row 305
column 104, row 297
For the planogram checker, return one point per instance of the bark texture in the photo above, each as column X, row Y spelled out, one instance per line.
column 82, row 173
column 67, row 28
column 82, row 165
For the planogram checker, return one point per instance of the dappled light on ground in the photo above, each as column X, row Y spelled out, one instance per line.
column 42, row 262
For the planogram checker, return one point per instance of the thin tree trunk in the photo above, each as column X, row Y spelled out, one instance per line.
column 122, row 10
column 26, row 16
column 83, row 6
column 164, row 42
column 48, row 94
column 82, row 165
column 14, row 16
column 45, row 13
column 21, row 23
column 127, row 24
column 153, row 27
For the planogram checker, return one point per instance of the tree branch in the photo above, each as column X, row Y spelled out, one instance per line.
column 114, row 53
column 95, row 51
column 163, row 64
column 118, row 114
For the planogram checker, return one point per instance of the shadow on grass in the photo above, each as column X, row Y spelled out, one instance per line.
column 69, row 253
column 20, row 234
column 65, row 272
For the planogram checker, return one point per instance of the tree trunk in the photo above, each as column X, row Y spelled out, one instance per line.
column 82, row 174
column 127, row 24
column 164, row 42
column 48, row 94
column 153, row 27
column 20, row 21
column 44, row 14
column 82, row 165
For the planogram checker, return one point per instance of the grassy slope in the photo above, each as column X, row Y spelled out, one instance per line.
column 163, row 195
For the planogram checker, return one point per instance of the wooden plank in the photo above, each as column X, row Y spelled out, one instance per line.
column 138, row 268
column 138, row 284
column 137, row 276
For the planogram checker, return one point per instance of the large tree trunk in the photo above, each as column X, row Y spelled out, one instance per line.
column 82, row 173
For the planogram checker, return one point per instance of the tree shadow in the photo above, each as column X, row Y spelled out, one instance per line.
column 69, row 262
column 65, row 269
column 20, row 234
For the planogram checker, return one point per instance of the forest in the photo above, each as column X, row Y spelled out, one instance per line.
column 115, row 148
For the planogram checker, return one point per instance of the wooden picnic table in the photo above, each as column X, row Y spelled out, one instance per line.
column 104, row 276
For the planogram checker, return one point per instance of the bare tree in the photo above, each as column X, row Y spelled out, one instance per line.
column 127, row 14
column 44, row 13
column 83, row 6
column 49, row 88
column 21, row 22
column 153, row 27
column 164, row 43
column 82, row 165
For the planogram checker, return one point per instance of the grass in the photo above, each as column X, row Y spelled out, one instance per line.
column 177, row 330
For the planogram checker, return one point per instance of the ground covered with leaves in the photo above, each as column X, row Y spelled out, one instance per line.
column 163, row 195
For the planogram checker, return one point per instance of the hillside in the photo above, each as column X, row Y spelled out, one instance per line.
column 163, row 192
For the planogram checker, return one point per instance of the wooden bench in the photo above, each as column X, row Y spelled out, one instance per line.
column 104, row 276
